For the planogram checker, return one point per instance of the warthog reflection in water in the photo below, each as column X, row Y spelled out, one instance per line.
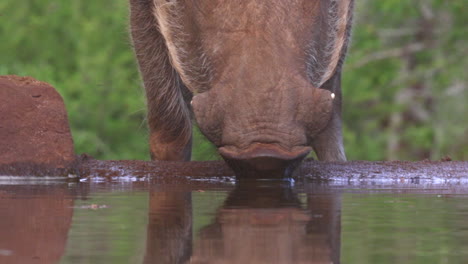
column 256, row 224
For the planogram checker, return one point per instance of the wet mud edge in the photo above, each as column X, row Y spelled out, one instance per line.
column 88, row 168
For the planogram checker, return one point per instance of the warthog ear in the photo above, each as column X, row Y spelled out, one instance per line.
column 330, row 40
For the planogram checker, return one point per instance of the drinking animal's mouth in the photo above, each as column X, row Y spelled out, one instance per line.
column 263, row 150
column 264, row 160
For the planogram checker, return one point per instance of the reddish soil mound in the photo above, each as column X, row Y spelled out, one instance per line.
column 33, row 124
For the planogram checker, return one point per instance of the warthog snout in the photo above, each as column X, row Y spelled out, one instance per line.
column 263, row 160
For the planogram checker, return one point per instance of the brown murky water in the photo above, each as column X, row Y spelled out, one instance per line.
column 216, row 220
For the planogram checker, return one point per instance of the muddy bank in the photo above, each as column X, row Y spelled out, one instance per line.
column 86, row 168
column 353, row 171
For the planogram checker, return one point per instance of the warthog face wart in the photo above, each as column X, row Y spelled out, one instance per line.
column 261, row 77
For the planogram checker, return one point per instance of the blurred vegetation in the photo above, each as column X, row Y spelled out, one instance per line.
column 405, row 81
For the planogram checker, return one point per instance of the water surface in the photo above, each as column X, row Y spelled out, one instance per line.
column 225, row 222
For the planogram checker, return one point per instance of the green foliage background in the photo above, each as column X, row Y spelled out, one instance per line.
column 405, row 79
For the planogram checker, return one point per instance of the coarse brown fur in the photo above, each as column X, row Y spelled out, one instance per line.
column 169, row 117
column 260, row 71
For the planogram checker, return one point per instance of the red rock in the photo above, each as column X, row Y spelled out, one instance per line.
column 34, row 126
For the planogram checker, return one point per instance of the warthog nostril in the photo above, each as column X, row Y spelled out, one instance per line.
column 262, row 160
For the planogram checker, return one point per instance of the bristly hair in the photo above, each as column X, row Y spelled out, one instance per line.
column 327, row 50
column 188, row 59
column 169, row 117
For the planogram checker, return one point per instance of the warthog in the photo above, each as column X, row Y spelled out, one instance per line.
column 261, row 78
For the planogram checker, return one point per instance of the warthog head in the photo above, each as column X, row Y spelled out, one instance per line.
column 265, row 76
